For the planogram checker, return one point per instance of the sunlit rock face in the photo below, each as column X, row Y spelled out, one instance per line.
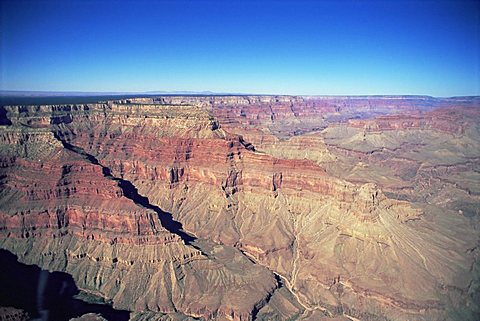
column 261, row 207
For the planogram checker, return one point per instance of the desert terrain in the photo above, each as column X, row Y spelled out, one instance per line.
column 247, row 207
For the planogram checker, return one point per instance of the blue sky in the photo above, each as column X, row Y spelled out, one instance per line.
column 284, row 47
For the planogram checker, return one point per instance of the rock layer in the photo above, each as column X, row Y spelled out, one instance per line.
column 365, row 207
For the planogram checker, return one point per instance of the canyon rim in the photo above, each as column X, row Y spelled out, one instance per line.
column 250, row 207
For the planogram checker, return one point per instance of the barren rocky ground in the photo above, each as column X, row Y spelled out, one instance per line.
column 251, row 207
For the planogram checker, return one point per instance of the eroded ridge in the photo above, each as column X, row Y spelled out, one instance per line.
column 131, row 192
column 366, row 207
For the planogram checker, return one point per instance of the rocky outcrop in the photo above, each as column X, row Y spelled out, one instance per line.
column 12, row 314
column 447, row 120
column 66, row 212
column 150, row 202
column 89, row 317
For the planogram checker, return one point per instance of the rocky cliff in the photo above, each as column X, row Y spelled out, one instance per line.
column 261, row 207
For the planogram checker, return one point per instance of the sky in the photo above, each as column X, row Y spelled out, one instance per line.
column 263, row 47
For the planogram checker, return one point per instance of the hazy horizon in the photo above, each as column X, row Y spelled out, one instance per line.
column 33, row 93
column 265, row 47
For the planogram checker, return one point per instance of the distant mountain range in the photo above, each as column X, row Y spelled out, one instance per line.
column 21, row 93
column 11, row 94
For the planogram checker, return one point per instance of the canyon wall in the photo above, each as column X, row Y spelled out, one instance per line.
column 251, row 207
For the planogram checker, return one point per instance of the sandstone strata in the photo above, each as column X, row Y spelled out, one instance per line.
column 363, row 207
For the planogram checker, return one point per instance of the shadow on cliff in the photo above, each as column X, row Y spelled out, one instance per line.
column 4, row 120
column 131, row 192
column 46, row 295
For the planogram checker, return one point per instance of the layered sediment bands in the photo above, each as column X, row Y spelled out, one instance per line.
column 449, row 121
column 131, row 192
column 365, row 206
column 66, row 212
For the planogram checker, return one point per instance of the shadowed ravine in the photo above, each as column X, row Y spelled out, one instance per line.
column 165, row 218
column 131, row 192
column 46, row 296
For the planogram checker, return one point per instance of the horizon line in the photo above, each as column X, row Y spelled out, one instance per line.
column 45, row 93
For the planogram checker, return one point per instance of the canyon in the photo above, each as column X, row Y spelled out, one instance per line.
column 242, row 207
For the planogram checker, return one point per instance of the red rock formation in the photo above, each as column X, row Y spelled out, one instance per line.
column 449, row 121
column 64, row 212
column 239, row 171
